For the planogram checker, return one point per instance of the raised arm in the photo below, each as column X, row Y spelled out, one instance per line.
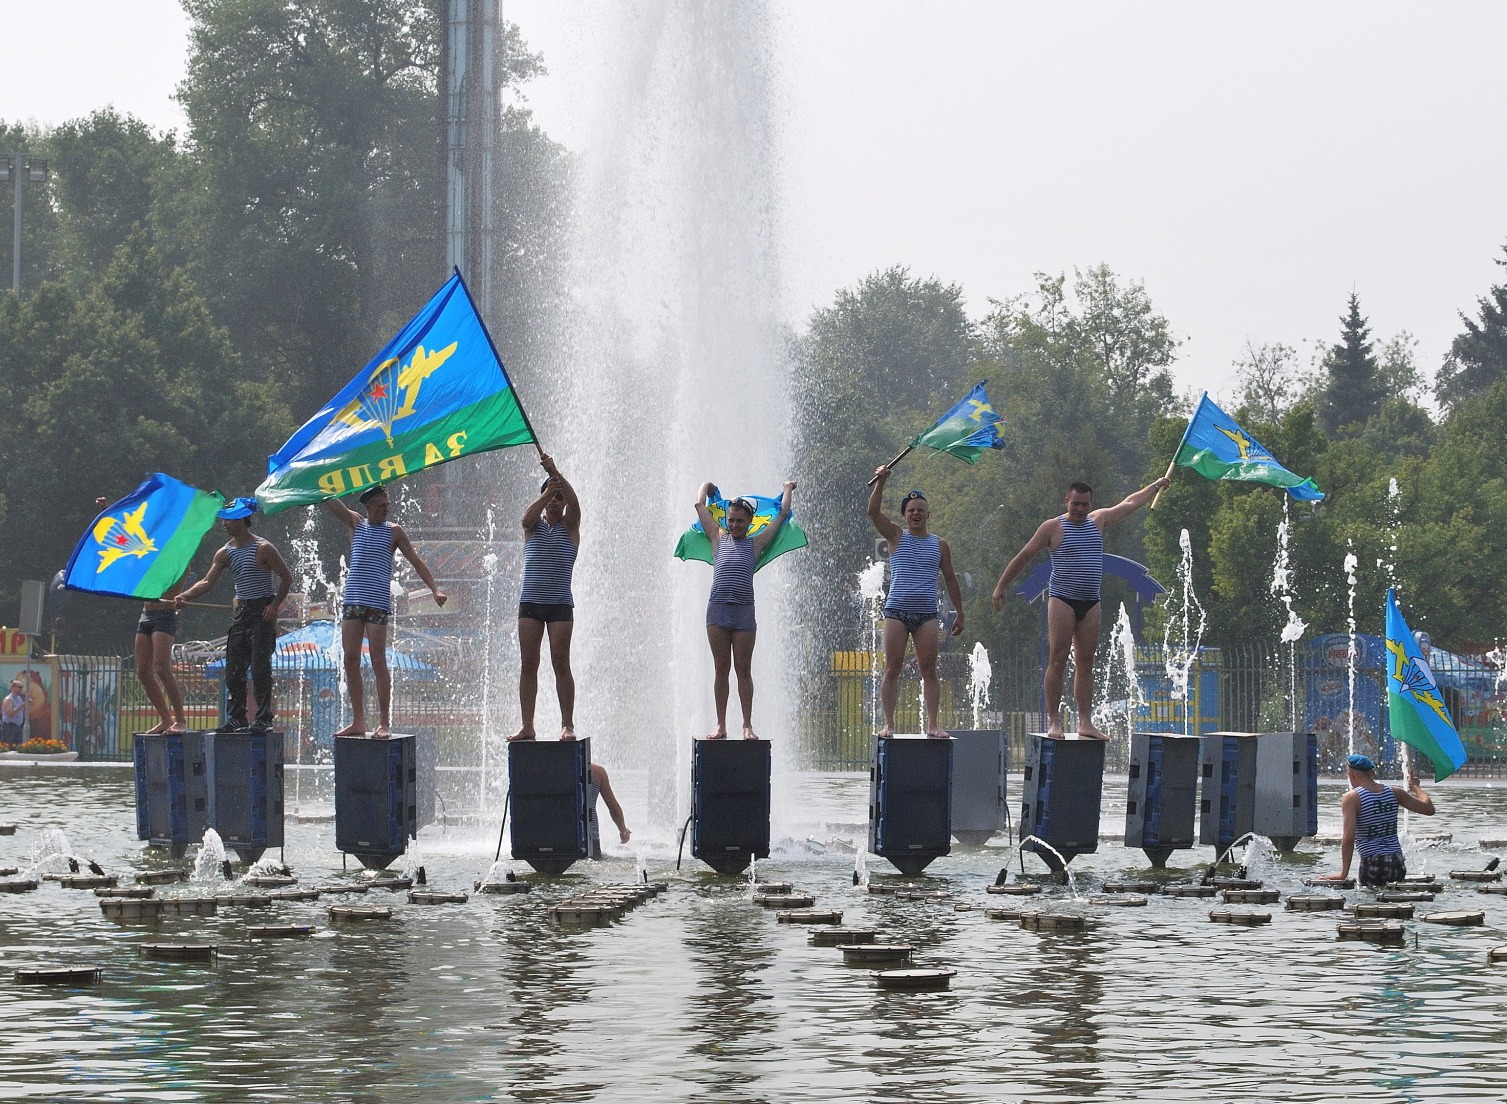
column 269, row 557
column 217, row 565
column 787, row 499
column 950, row 581
column 887, row 528
column 572, row 518
column 1414, row 798
column 709, row 524
column 1040, row 541
column 1113, row 515
column 405, row 546
column 535, row 509
column 342, row 513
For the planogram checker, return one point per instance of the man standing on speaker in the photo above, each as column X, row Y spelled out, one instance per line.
column 366, row 604
column 730, row 624
column 911, row 609
column 262, row 581
column 546, row 606
column 1076, row 541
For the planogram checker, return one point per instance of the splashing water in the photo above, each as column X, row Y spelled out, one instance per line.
column 1120, row 698
column 489, row 633
column 980, row 672
column 51, row 849
column 1067, row 870
column 1281, row 587
column 497, row 873
column 1179, row 661
column 210, row 859
column 861, row 868
column 1394, row 517
column 1351, row 653
column 871, row 592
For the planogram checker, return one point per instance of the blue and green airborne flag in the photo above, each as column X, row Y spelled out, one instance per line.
column 967, row 429
column 694, row 544
column 1415, row 706
column 1216, row 447
column 143, row 544
column 436, row 392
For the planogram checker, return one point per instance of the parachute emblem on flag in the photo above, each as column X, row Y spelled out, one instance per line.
column 379, row 403
column 718, row 510
column 122, row 536
column 1416, row 681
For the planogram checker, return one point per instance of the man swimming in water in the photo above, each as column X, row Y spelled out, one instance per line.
column 1076, row 541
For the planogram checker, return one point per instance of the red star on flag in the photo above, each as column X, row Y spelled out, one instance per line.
column 379, row 391
column 121, row 539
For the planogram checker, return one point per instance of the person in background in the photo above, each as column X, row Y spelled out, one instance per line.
column 13, row 715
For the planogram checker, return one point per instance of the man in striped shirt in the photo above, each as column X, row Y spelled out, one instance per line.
column 366, row 603
column 1076, row 540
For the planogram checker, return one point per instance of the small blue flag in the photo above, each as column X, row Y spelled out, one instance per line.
column 142, row 545
column 967, row 429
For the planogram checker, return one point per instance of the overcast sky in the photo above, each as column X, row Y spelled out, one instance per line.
column 1252, row 164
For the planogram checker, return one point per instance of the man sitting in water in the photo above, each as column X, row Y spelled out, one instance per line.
column 1076, row 540
column 1370, row 812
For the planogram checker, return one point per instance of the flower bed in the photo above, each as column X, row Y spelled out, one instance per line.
column 40, row 747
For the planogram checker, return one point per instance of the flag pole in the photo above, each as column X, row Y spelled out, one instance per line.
column 1181, row 441
column 901, row 456
column 488, row 335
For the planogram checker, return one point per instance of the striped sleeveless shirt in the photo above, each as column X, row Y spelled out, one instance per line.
column 1376, row 823
column 914, row 565
column 1078, row 562
column 368, row 582
column 252, row 580
column 733, row 571
column 549, row 559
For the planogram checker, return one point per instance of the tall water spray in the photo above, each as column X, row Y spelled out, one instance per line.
column 1118, row 696
column 1188, row 621
column 871, row 594
column 1282, row 590
column 672, row 363
column 980, row 673
column 1352, row 653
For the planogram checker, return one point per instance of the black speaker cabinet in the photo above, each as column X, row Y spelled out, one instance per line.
column 547, row 783
column 730, row 803
column 910, row 801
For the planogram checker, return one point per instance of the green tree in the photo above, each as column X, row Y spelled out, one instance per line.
column 1477, row 358
column 40, row 252
column 1353, row 389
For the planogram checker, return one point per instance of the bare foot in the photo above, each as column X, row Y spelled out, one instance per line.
column 748, row 733
column 1054, row 730
column 937, row 734
column 175, row 727
column 524, row 733
column 157, row 729
column 382, row 733
column 568, row 733
column 352, row 729
column 1087, row 731
column 886, row 733
column 719, row 734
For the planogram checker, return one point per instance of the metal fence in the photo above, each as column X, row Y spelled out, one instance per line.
column 1322, row 686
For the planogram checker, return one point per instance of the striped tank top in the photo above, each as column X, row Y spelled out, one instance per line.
column 369, row 580
column 733, row 571
column 252, row 580
column 1078, row 562
column 1376, row 823
column 914, row 565
column 549, row 559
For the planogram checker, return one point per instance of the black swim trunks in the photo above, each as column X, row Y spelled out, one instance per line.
column 1081, row 607
column 158, row 621
column 911, row 621
column 367, row 615
column 548, row 612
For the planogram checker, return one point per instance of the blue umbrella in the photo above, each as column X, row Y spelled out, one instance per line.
column 316, row 647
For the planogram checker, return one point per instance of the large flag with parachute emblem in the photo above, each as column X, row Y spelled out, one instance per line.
column 142, row 545
column 1216, row 447
column 694, row 544
column 1415, row 707
column 967, row 429
column 436, row 392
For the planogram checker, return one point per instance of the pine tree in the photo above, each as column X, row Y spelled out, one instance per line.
column 1353, row 387
column 1478, row 357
